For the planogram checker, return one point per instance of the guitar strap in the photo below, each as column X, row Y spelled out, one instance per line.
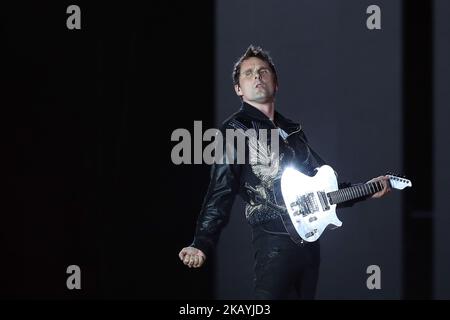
column 316, row 156
column 320, row 161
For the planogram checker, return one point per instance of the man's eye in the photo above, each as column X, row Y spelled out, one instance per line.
column 248, row 73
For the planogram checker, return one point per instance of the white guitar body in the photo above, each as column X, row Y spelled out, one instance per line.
column 301, row 195
column 311, row 201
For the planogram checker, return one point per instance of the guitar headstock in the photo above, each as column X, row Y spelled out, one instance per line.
column 398, row 182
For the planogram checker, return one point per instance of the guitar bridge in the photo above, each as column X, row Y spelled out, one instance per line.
column 306, row 204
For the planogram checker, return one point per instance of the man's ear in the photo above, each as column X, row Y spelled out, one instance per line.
column 237, row 89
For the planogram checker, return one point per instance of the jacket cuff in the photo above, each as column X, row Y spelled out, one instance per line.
column 203, row 244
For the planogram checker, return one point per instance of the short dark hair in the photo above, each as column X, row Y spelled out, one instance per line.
column 251, row 52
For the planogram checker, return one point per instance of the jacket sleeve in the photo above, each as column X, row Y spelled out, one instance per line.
column 219, row 198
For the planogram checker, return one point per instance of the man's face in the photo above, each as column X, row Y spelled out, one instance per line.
column 256, row 81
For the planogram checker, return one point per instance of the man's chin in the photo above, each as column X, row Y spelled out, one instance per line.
column 263, row 99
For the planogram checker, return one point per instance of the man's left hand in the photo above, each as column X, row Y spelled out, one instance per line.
column 386, row 187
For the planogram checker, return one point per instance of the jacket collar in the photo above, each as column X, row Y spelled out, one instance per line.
column 284, row 123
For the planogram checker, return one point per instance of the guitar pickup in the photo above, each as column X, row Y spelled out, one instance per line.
column 310, row 234
column 323, row 200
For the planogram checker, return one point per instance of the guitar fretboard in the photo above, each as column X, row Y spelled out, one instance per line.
column 355, row 192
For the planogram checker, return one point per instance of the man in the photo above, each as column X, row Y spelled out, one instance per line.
column 282, row 263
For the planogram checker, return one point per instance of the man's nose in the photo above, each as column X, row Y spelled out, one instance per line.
column 257, row 75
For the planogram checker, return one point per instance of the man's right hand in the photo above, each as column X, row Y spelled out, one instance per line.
column 192, row 257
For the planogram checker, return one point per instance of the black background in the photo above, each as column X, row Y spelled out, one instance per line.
column 89, row 115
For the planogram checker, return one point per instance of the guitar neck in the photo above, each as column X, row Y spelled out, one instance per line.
column 355, row 192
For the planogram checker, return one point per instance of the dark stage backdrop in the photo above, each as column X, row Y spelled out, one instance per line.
column 369, row 101
column 87, row 158
column 343, row 83
column 441, row 134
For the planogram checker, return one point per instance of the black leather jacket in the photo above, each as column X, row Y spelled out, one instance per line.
column 256, row 183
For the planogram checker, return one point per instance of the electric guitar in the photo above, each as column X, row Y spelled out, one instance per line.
column 311, row 201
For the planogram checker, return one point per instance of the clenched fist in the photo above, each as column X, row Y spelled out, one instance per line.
column 192, row 257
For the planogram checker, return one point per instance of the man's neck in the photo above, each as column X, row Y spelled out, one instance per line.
column 267, row 108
